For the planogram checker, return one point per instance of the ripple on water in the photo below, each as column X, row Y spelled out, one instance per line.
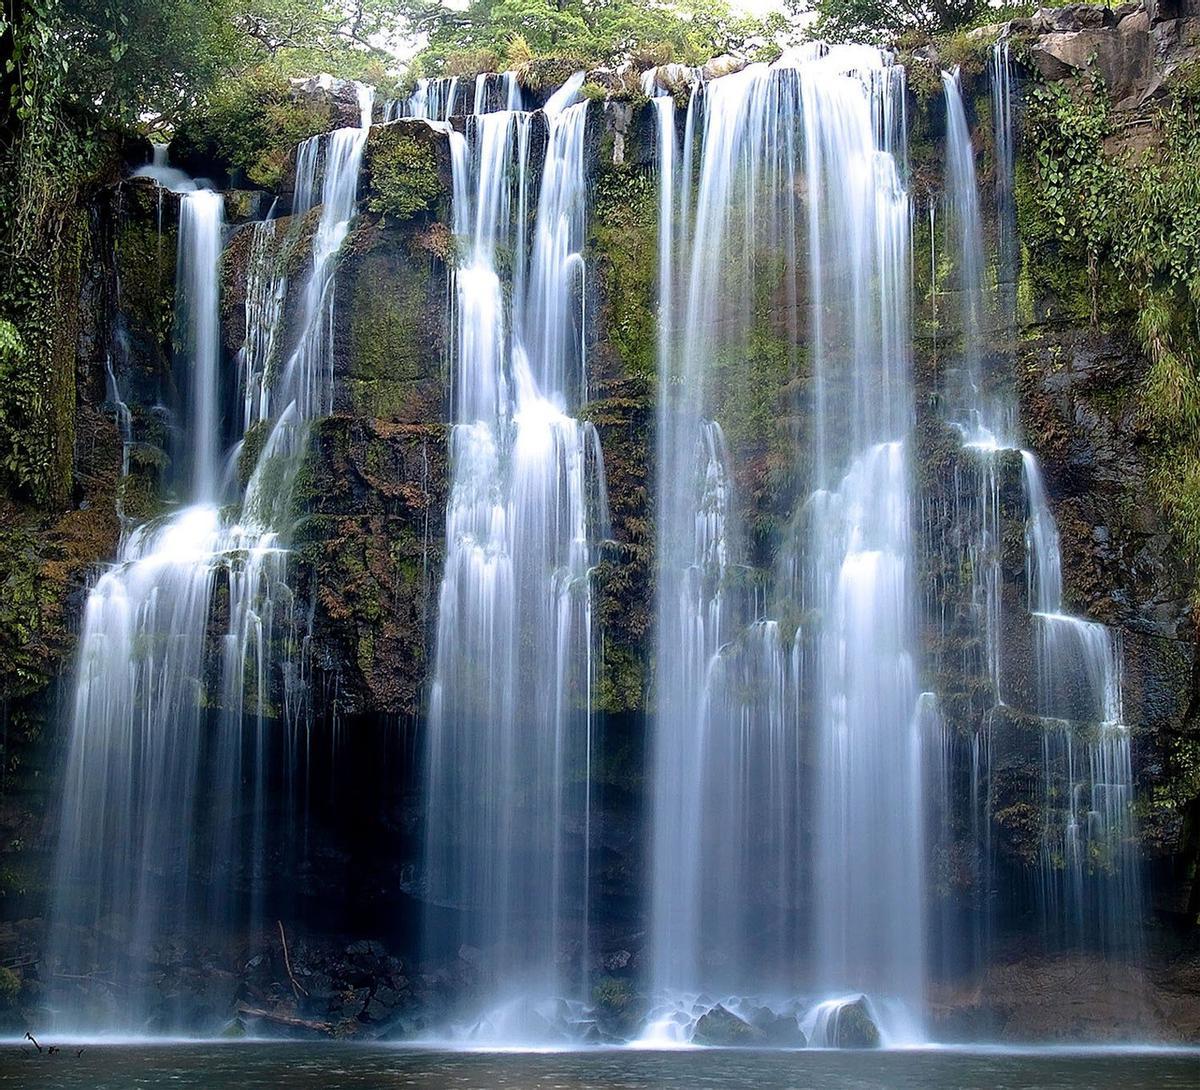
column 304, row 1066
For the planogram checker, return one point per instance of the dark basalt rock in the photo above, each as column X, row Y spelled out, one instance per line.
column 779, row 1030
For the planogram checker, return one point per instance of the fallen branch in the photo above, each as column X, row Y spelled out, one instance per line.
column 31, row 1037
column 289, row 1020
column 287, row 963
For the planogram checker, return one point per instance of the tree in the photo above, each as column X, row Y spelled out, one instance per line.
column 879, row 21
column 595, row 31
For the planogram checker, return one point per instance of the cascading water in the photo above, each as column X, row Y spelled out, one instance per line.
column 1003, row 90
column 509, row 740
column 130, row 790
column 729, row 784
column 1090, row 881
column 793, row 746
column 147, row 767
column 869, row 873
column 1090, row 888
column 450, row 96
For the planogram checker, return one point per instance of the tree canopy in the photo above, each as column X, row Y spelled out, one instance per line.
column 881, row 21
column 599, row 31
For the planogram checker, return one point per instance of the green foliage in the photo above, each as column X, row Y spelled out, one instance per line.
column 624, row 238
column 590, row 31
column 19, row 403
column 300, row 37
column 123, row 59
column 882, row 21
column 404, row 174
column 252, row 123
column 1124, row 203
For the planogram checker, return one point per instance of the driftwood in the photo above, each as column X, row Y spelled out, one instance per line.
column 50, row 1050
column 289, row 1020
column 287, row 963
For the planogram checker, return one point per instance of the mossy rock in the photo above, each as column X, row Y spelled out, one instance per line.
column 854, row 1027
column 723, row 1028
column 403, row 175
column 623, row 250
column 619, row 1010
column 369, row 554
column 390, row 333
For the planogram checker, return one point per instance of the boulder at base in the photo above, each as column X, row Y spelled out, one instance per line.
column 722, row 1027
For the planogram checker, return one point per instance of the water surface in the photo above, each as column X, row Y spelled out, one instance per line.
column 250, row 1066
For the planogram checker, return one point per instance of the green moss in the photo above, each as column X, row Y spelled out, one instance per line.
column 252, row 447
column 388, row 352
column 403, row 172
column 146, row 266
column 748, row 384
column 384, row 324
column 624, row 240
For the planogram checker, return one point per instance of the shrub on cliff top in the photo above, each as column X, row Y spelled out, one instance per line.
column 250, row 126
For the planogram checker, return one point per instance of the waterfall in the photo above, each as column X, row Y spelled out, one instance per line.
column 444, row 97
column 800, row 161
column 1090, row 879
column 1090, row 886
column 169, row 737
column 869, row 869
column 1000, row 76
column 968, row 403
column 509, row 742
column 136, row 735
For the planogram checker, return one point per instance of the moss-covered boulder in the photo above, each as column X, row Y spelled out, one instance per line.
column 407, row 169
column 723, row 1028
column 853, row 1026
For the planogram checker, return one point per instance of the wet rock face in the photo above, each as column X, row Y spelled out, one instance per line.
column 1079, row 407
column 723, row 1028
column 369, row 560
column 391, row 333
column 779, row 1030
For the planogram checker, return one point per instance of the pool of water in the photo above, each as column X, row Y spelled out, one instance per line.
column 249, row 1066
